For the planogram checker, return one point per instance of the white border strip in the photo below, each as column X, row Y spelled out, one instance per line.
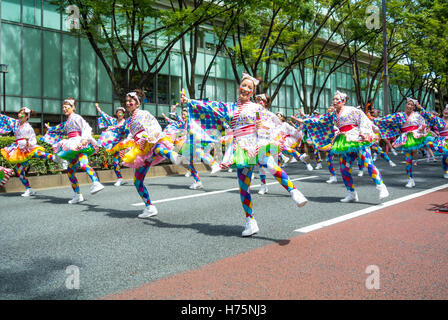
column 214, row 192
column 367, row 210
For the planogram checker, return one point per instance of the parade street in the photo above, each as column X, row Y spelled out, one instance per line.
column 193, row 248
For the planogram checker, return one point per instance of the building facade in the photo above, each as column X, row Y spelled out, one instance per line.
column 47, row 63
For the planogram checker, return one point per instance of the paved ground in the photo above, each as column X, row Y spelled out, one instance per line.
column 115, row 252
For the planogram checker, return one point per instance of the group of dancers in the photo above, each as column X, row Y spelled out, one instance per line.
column 252, row 137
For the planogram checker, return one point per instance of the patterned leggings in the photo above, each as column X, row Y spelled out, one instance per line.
column 82, row 161
column 377, row 149
column 139, row 177
column 116, row 158
column 346, row 160
column 291, row 152
column 329, row 159
column 245, row 177
column 21, row 167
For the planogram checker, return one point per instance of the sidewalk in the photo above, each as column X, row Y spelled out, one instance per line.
column 61, row 180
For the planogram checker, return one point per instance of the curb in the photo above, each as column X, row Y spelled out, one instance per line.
column 61, row 180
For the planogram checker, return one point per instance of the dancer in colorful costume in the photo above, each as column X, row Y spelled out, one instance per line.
column 24, row 148
column 291, row 138
column 151, row 146
column 254, row 131
column 410, row 129
column 439, row 143
column 113, row 139
column 191, row 144
column 76, row 149
column 353, row 138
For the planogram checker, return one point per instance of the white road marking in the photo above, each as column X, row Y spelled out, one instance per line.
column 367, row 210
column 214, row 192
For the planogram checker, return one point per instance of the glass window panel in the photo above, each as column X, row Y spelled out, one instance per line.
column 175, row 90
column 162, row 89
column 52, row 17
column 221, row 90
column 231, row 91
column 88, row 72
column 33, row 104
column 53, row 106
column 105, row 87
column 13, row 104
column 87, row 108
column 176, row 64
column 32, row 12
column 11, row 10
column 220, row 67
column 11, row 56
column 32, row 62
column 200, row 69
column 52, row 65
column 70, row 67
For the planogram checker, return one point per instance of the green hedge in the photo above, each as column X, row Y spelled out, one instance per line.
column 98, row 161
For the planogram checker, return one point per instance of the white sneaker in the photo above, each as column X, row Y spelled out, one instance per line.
column 394, row 152
column 360, row 173
column 319, row 166
column 410, row 184
column 28, row 192
column 76, row 198
column 215, row 169
column 298, row 198
column 375, row 156
column 352, row 196
column 309, row 167
column 304, row 158
column 188, row 174
column 445, row 175
column 62, row 162
column 263, row 189
column 149, row 211
column 118, row 183
column 196, row 185
column 293, row 160
column 230, row 170
column 96, row 187
column 285, row 159
column 250, row 228
column 177, row 159
column 434, row 159
column 332, row 179
column 392, row 164
column 383, row 191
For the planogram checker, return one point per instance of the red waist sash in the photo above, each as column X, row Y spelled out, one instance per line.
column 408, row 129
column 74, row 134
column 347, row 127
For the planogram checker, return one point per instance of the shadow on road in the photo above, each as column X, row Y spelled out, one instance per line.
column 212, row 230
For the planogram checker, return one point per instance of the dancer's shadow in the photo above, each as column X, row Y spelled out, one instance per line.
column 212, row 230
column 436, row 207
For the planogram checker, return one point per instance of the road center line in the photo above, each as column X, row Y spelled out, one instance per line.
column 214, row 192
column 361, row 212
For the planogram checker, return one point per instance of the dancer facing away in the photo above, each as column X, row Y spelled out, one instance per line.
column 354, row 138
column 253, row 141
column 76, row 149
column 151, row 146
column 113, row 138
column 291, row 138
column 24, row 148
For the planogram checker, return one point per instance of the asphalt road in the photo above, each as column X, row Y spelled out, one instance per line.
column 114, row 251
